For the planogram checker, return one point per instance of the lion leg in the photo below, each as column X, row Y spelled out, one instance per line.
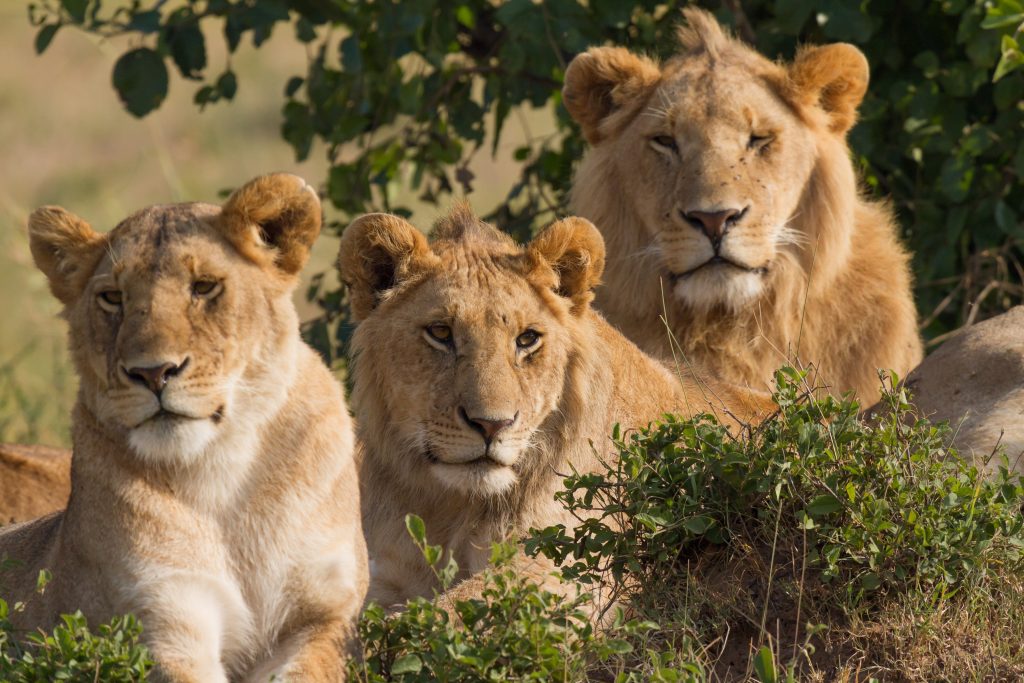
column 189, row 621
column 318, row 654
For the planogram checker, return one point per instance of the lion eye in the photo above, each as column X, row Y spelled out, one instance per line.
column 112, row 297
column 206, row 288
column 759, row 142
column 527, row 339
column 440, row 333
column 666, row 141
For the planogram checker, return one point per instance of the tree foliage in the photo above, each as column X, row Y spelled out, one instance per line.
column 404, row 95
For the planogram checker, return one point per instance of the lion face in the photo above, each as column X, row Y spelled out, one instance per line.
column 717, row 179
column 177, row 314
column 465, row 342
column 714, row 152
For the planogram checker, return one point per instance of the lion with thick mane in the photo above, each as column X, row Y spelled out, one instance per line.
column 724, row 188
column 214, row 490
column 481, row 377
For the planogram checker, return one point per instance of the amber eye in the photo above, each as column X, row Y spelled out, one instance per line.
column 666, row 141
column 759, row 142
column 527, row 339
column 111, row 297
column 440, row 333
column 206, row 288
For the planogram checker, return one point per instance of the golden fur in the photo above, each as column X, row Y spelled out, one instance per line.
column 218, row 502
column 34, row 481
column 722, row 153
column 467, row 332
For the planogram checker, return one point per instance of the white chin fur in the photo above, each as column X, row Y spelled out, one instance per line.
column 178, row 441
column 720, row 286
column 479, row 479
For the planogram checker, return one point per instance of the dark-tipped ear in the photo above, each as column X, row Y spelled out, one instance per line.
column 833, row 77
column 273, row 220
column 604, row 88
column 575, row 251
column 379, row 251
column 65, row 248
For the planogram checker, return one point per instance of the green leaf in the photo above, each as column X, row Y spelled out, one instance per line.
column 417, row 529
column 76, row 9
column 464, row 15
column 140, row 78
column 764, row 665
column 870, row 581
column 1011, row 59
column 227, row 84
column 825, row 504
column 407, row 664
column 699, row 525
column 188, row 49
column 1000, row 21
column 1006, row 218
column 45, row 36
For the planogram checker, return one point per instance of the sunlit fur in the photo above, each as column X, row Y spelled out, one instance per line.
column 34, row 481
column 811, row 271
column 223, row 511
column 580, row 378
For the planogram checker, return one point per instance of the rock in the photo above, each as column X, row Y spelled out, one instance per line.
column 975, row 380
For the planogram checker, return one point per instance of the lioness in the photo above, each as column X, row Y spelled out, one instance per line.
column 724, row 189
column 34, row 481
column 214, row 489
column 482, row 376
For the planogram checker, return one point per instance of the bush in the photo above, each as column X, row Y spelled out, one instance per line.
column 73, row 653
column 883, row 507
column 515, row 631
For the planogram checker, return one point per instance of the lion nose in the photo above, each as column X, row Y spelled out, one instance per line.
column 155, row 377
column 715, row 223
column 488, row 427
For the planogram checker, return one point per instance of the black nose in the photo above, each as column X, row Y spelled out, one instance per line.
column 714, row 223
column 487, row 427
column 156, row 377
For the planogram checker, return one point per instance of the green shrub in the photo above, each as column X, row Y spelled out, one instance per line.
column 73, row 653
column 881, row 506
column 515, row 631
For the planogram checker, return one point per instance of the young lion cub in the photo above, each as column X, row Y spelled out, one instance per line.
column 482, row 376
column 214, row 490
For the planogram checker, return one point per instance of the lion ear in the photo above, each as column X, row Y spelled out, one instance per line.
column 273, row 220
column 575, row 251
column 833, row 77
column 604, row 88
column 65, row 248
column 379, row 251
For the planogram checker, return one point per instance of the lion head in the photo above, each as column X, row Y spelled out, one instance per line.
column 715, row 151
column 724, row 188
column 464, row 342
column 179, row 314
